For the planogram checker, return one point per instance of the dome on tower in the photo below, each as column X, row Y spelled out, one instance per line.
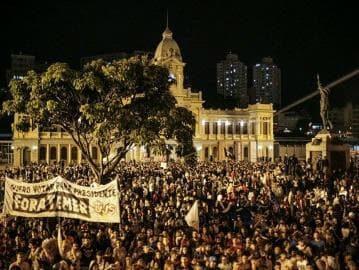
column 167, row 48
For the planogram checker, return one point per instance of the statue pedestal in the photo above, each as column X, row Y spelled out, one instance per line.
column 326, row 145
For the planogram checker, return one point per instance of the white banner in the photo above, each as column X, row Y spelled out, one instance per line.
column 61, row 198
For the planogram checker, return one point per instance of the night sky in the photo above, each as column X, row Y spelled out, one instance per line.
column 303, row 37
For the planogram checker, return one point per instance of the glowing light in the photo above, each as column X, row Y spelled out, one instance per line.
column 171, row 77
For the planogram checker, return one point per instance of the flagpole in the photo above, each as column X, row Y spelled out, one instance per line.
column 119, row 202
column 59, row 236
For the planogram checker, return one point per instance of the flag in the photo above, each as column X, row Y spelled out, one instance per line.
column 192, row 217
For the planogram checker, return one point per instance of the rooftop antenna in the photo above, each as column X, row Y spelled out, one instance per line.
column 167, row 20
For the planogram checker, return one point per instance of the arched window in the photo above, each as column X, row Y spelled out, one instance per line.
column 215, row 128
column 230, row 150
column 245, row 153
column 53, row 153
column 245, row 128
column 223, row 128
column 94, row 152
column 26, row 156
column 238, row 128
column 230, row 129
column 63, row 153
column 265, row 128
column 42, row 153
column 206, row 128
column 74, row 153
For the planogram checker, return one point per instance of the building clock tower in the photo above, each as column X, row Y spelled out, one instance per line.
column 168, row 54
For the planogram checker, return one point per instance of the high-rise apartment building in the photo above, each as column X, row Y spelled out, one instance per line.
column 20, row 65
column 267, row 82
column 232, row 78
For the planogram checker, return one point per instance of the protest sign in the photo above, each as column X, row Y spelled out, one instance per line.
column 61, row 198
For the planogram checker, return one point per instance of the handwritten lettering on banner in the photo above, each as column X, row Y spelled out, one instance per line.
column 61, row 198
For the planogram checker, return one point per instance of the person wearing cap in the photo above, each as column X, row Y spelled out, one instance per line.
column 87, row 250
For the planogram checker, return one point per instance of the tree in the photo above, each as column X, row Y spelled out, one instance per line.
column 114, row 106
column 6, row 119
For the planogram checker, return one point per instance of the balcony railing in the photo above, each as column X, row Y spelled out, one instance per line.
column 54, row 135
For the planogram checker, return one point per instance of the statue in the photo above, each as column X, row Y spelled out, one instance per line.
column 324, row 105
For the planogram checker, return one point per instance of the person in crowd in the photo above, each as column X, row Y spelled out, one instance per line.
column 261, row 215
column 20, row 262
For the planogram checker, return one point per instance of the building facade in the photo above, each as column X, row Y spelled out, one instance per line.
column 345, row 119
column 241, row 134
column 20, row 65
column 232, row 78
column 267, row 82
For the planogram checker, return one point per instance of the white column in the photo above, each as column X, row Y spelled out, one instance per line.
column 47, row 153
column 69, row 154
column 58, row 152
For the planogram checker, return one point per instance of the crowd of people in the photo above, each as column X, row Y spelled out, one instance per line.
column 261, row 215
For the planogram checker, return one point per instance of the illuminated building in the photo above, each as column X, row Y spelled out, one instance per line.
column 241, row 134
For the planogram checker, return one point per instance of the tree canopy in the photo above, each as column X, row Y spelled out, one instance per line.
column 114, row 106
